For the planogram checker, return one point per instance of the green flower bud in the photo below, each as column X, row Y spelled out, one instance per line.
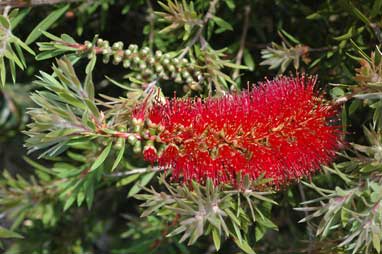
column 127, row 52
column 136, row 60
column 142, row 65
column 189, row 80
column 185, row 74
column 145, row 51
column 158, row 68
column 184, row 61
column 150, row 60
column 195, row 86
column 132, row 139
column 175, row 61
column 178, row 78
column 158, row 54
column 166, row 61
column 89, row 45
column 137, row 147
column 126, row 63
column 133, row 47
column 171, row 68
column 105, row 51
column 147, row 72
column 163, row 75
column 117, row 59
column 137, row 121
column 105, row 43
column 119, row 144
column 117, row 45
column 138, row 76
column 106, row 59
column 99, row 42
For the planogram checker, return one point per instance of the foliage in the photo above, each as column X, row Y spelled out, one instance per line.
column 83, row 183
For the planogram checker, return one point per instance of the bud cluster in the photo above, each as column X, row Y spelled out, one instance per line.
column 151, row 66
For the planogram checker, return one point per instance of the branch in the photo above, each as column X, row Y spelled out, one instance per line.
column 308, row 226
column 211, row 11
column 239, row 56
column 151, row 19
column 26, row 3
column 136, row 171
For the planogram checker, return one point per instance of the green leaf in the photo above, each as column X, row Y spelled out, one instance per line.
column 92, row 107
column 222, row 23
column 375, row 10
column 101, row 158
column 4, row 22
column 45, row 24
column 216, row 238
column 356, row 12
column 345, row 36
column 361, row 52
column 244, row 246
column 345, row 215
column 90, row 195
column 23, row 45
column 10, row 54
column 314, row 16
column 13, row 70
column 91, row 64
column 259, row 232
column 140, row 184
column 337, row 92
column 80, row 198
column 248, row 60
column 51, row 36
column 230, row 4
column 290, row 37
column 19, row 17
column 6, row 233
column 2, row 71
column 48, row 54
column 127, row 180
column 68, row 38
column 120, row 154
column 69, row 202
column 237, row 233
column 376, row 237
column 89, row 86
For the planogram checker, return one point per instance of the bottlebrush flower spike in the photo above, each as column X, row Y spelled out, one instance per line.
column 280, row 130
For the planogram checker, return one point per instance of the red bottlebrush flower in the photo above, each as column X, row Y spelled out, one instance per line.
column 150, row 154
column 280, row 130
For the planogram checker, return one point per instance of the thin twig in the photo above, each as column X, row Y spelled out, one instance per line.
column 136, row 171
column 239, row 56
column 151, row 19
column 210, row 13
column 308, row 226
column 7, row 33
column 323, row 49
column 25, row 3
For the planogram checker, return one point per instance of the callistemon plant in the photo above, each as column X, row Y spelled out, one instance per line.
column 281, row 130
